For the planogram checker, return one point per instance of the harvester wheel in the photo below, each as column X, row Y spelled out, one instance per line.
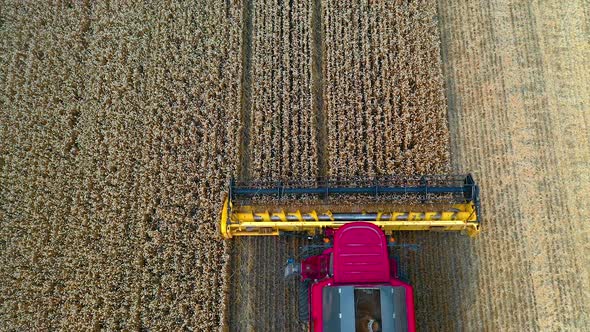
column 304, row 253
column 304, row 301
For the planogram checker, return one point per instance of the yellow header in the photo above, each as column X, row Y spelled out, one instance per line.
column 246, row 222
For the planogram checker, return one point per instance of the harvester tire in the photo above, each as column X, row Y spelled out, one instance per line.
column 304, row 301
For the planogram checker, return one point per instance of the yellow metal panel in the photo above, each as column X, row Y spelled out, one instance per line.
column 310, row 227
column 246, row 222
column 223, row 225
column 240, row 233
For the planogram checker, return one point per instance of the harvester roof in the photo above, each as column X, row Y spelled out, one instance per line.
column 360, row 254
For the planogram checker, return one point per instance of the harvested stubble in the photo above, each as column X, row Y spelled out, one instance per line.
column 383, row 91
column 117, row 126
column 518, row 81
column 282, row 145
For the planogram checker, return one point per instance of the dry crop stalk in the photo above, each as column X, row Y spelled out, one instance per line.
column 383, row 87
column 282, row 133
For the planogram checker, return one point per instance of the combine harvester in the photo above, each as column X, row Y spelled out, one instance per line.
column 349, row 281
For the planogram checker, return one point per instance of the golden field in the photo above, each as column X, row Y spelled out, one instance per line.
column 121, row 124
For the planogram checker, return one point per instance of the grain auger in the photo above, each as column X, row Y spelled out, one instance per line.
column 421, row 203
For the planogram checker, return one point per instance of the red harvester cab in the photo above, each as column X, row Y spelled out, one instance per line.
column 353, row 286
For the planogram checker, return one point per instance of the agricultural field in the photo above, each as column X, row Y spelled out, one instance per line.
column 383, row 89
column 121, row 124
column 283, row 136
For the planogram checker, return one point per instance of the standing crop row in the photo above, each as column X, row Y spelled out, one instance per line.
column 383, row 88
column 282, row 131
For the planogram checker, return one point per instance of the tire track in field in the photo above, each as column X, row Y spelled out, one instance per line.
column 246, row 92
column 239, row 297
column 317, row 74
